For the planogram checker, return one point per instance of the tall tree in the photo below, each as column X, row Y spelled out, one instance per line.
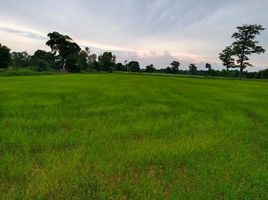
column 63, row 48
column 20, row 59
column 226, row 57
column 208, row 66
column 83, row 58
column 5, row 57
column 245, row 45
column 175, row 67
column 120, row 67
column 43, row 60
column 134, row 66
column 150, row 68
column 192, row 68
column 107, row 61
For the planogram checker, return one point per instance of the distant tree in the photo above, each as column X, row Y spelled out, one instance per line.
column 168, row 70
column 72, row 64
column 192, row 68
column 107, row 61
column 134, row 66
column 5, row 57
column 208, row 66
column 92, row 58
column 43, row 60
column 150, row 68
column 120, row 67
column 41, row 54
column 65, row 50
column 83, row 58
column 20, row 59
column 263, row 74
column 93, row 63
column 226, row 57
column 245, row 45
column 175, row 67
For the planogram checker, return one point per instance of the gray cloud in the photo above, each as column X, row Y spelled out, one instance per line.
column 190, row 30
column 24, row 33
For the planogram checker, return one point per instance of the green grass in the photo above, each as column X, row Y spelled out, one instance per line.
column 116, row 136
column 27, row 71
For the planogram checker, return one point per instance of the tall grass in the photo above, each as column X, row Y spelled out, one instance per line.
column 114, row 136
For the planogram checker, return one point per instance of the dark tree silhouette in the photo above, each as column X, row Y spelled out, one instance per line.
column 84, row 58
column 5, row 57
column 192, row 68
column 175, row 67
column 226, row 58
column 150, row 68
column 134, row 66
column 20, row 59
column 208, row 66
column 120, row 67
column 107, row 61
column 245, row 45
column 63, row 48
column 43, row 60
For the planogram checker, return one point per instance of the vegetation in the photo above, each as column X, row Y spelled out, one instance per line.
column 67, row 56
column 243, row 46
column 116, row 136
column 150, row 68
column 192, row 68
column 175, row 67
column 133, row 66
column 5, row 57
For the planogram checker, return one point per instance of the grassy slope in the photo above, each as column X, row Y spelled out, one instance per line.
column 132, row 137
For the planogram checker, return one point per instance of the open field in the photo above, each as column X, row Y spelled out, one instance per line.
column 115, row 136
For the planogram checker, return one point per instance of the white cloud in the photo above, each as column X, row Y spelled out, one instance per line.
column 191, row 30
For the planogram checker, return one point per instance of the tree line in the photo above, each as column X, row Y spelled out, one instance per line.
column 67, row 56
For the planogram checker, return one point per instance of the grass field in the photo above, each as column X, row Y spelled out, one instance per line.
column 112, row 136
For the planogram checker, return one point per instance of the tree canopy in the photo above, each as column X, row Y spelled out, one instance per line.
column 150, row 68
column 175, row 67
column 107, row 61
column 65, row 50
column 243, row 46
column 134, row 66
column 192, row 68
column 226, row 57
column 5, row 57
column 67, row 56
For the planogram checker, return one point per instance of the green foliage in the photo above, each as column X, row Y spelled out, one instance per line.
column 115, row 136
column 243, row 46
column 192, row 68
column 25, row 71
column 150, row 68
column 120, row 67
column 43, row 61
column 20, row 59
column 83, row 59
column 208, row 66
column 263, row 74
column 175, row 67
column 5, row 57
column 226, row 58
column 107, row 61
column 134, row 66
column 65, row 50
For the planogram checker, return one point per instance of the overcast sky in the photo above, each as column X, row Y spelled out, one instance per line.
column 150, row 31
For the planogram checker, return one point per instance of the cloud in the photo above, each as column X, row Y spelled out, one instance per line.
column 24, row 33
column 190, row 30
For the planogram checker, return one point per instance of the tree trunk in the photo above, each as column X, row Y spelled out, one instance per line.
column 240, row 73
column 64, row 65
column 63, row 68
